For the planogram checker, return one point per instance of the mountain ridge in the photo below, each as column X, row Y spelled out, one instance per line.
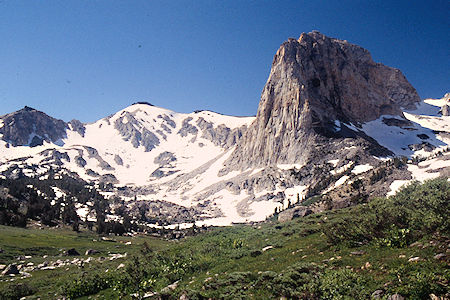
column 313, row 134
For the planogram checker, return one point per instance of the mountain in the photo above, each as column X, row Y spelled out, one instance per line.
column 29, row 127
column 316, row 84
column 330, row 120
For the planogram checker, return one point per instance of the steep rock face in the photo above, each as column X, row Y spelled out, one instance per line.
column 314, row 82
column 29, row 126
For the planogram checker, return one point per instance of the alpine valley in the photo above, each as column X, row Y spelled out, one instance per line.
column 333, row 127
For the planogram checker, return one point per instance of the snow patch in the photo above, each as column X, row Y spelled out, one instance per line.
column 361, row 169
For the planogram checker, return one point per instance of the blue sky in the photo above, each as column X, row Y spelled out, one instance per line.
column 87, row 59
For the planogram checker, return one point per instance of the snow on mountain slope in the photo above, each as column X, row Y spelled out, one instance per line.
column 422, row 131
column 139, row 140
column 160, row 155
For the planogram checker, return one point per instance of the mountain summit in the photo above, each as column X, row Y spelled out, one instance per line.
column 315, row 83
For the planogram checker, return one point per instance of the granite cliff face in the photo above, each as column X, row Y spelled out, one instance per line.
column 315, row 83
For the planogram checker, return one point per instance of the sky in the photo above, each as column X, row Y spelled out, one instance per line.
column 87, row 59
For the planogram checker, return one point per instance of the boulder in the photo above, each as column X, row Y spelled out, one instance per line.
column 440, row 256
column 71, row 252
column 377, row 294
column 91, row 252
column 292, row 213
column 11, row 270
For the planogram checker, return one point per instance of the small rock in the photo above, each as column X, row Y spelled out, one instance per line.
column 416, row 244
column 170, row 287
column 377, row 294
column 360, row 252
column 2, row 267
column 267, row 248
column 91, row 252
column 120, row 266
column 440, row 256
column 396, row 297
column 434, row 297
column 402, row 256
column 414, row 259
column 184, row 297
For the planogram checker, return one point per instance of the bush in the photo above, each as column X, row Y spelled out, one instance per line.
column 418, row 281
column 343, row 284
column 414, row 212
column 16, row 291
column 87, row 284
column 299, row 281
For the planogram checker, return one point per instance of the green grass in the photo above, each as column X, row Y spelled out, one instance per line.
column 311, row 257
column 52, row 242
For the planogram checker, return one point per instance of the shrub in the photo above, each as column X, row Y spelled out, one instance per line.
column 414, row 212
column 343, row 284
column 16, row 291
column 87, row 284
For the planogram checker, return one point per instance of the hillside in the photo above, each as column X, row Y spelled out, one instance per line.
column 395, row 245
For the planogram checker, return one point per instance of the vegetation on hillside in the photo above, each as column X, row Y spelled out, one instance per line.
column 389, row 245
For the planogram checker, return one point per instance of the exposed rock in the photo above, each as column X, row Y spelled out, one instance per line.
column 170, row 287
column 445, row 110
column 29, row 126
column 11, row 270
column 108, row 178
column 359, row 252
column 396, row 297
column 221, row 135
column 292, row 213
column 440, row 256
column 422, row 146
column 187, row 128
column 71, row 252
column 403, row 123
column 168, row 121
column 131, row 130
column 184, row 296
column 79, row 160
column 165, row 158
column 118, row 160
column 78, row 127
column 377, row 294
column 314, row 82
column 93, row 153
column 91, row 252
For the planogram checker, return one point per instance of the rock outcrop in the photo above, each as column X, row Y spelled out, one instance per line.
column 314, row 82
column 30, row 127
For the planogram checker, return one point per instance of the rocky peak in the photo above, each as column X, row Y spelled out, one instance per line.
column 314, row 82
column 30, row 127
